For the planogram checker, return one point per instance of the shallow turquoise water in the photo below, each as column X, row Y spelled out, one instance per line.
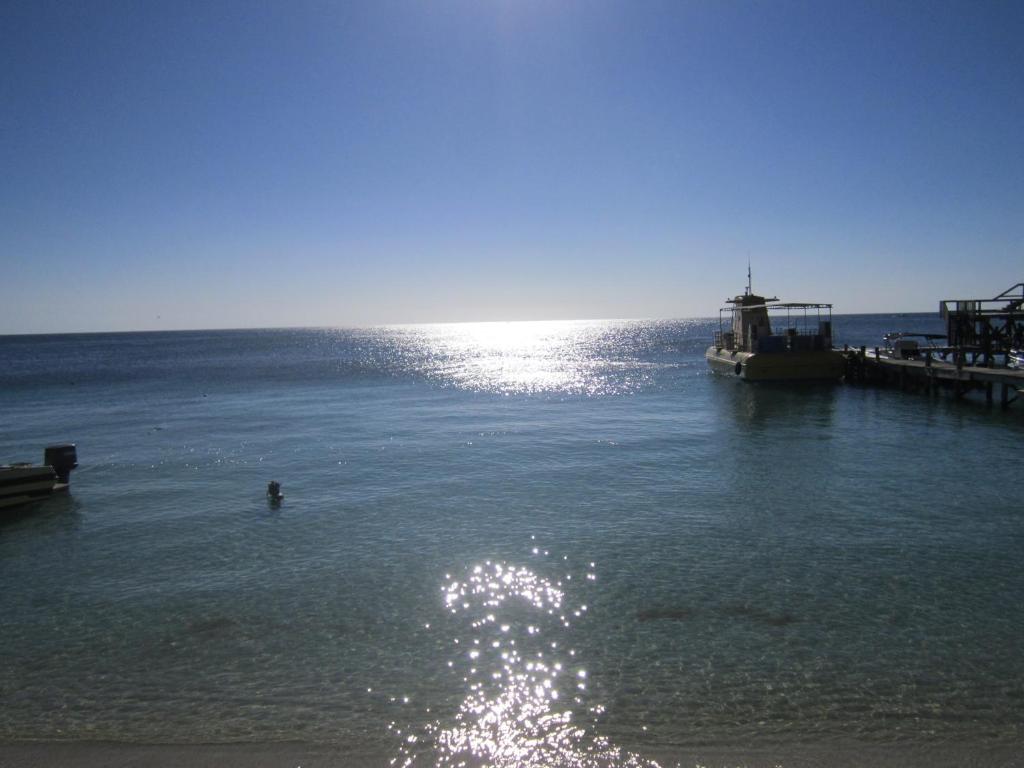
column 759, row 565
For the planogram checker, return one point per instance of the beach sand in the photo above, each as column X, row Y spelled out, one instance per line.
column 299, row 755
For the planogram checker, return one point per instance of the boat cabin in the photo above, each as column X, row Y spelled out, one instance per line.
column 766, row 325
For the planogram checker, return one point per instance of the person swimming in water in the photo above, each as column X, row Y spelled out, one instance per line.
column 274, row 491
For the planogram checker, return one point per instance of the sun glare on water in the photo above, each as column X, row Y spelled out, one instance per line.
column 520, row 356
column 525, row 686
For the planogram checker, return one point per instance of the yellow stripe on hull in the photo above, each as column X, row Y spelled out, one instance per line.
column 819, row 365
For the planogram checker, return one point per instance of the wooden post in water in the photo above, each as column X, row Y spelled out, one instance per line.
column 957, row 386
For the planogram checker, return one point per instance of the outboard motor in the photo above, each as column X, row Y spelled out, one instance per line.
column 63, row 458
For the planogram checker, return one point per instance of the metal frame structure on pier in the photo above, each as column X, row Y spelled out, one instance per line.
column 986, row 328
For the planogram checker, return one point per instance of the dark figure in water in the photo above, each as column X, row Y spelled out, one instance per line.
column 274, row 491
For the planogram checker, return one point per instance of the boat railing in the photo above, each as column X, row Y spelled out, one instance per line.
column 798, row 326
column 791, row 342
column 798, row 331
column 724, row 339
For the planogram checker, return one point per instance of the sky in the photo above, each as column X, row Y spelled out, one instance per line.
column 171, row 165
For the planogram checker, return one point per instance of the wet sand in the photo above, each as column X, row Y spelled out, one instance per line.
column 299, row 755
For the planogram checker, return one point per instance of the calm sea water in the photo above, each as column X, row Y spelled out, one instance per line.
column 569, row 535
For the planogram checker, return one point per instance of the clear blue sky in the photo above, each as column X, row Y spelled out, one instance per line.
column 234, row 164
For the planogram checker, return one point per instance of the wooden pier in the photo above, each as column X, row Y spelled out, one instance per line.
column 983, row 335
column 931, row 375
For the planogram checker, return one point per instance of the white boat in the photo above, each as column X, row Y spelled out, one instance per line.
column 905, row 345
column 23, row 483
column 769, row 340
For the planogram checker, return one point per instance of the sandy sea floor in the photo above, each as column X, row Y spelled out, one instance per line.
column 299, row 755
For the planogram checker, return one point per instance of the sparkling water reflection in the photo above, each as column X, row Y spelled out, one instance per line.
column 780, row 565
column 526, row 688
column 567, row 357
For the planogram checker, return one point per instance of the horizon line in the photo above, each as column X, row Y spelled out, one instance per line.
column 355, row 327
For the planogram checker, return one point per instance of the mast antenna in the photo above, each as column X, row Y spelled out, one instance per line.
column 749, row 286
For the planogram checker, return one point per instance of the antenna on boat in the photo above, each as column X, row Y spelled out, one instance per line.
column 750, row 289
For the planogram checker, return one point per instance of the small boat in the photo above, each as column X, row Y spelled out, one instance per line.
column 905, row 345
column 1015, row 359
column 23, row 483
column 769, row 340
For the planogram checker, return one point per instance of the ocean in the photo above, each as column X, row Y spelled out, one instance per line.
column 551, row 543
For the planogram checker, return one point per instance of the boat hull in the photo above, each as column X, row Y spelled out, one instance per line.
column 810, row 365
column 21, row 485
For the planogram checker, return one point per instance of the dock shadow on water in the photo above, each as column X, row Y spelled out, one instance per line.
column 525, row 688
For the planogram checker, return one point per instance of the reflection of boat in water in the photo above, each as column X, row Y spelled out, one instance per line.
column 799, row 347
column 23, row 483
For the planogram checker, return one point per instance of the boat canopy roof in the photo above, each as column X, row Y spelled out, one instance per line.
column 781, row 305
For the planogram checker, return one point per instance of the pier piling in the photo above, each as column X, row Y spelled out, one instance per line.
column 930, row 375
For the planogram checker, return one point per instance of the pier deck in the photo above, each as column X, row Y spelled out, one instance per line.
column 930, row 374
